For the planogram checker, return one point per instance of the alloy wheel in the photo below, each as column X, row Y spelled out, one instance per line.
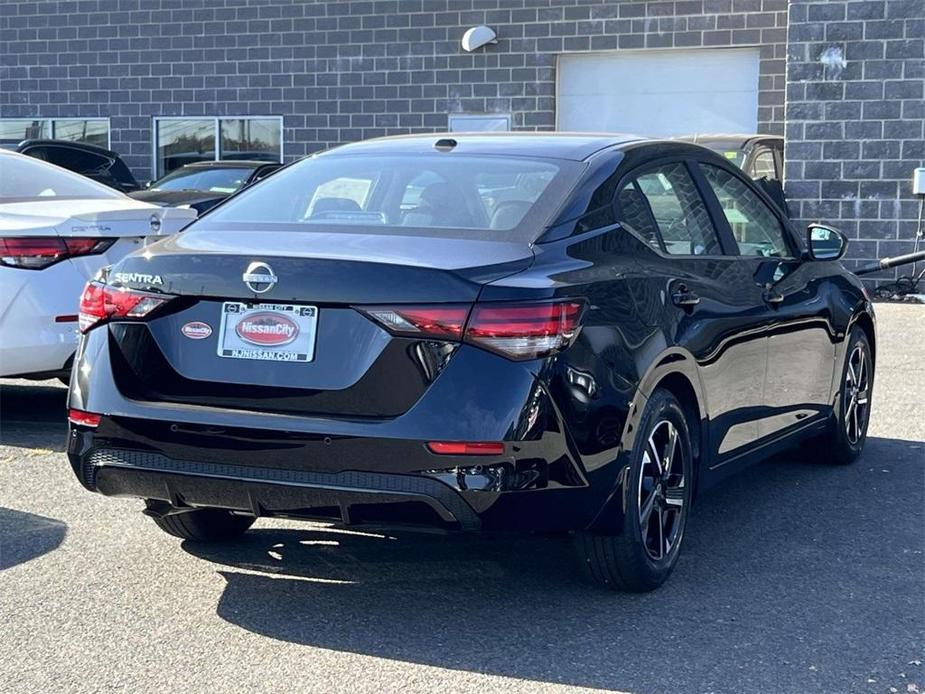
column 857, row 393
column 661, row 493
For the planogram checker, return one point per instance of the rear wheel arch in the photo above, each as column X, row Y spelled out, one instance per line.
column 675, row 372
column 654, row 486
column 680, row 385
column 864, row 321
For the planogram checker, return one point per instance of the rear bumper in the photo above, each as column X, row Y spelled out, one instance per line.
column 347, row 496
column 457, row 501
column 32, row 305
column 354, row 469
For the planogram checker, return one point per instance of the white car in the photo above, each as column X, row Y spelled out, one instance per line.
column 57, row 228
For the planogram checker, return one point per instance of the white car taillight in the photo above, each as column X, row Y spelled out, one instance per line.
column 100, row 302
column 37, row 252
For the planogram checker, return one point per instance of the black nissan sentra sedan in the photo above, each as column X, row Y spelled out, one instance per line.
column 537, row 332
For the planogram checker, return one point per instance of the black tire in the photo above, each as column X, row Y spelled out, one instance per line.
column 846, row 433
column 204, row 525
column 630, row 561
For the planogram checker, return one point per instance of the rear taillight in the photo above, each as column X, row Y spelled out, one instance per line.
column 525, row 331
column 516, row 331
column 84, row 419
column 440, row 322
column 37, row 252
column 100, row 302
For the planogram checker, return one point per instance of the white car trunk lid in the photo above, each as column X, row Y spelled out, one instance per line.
column 104, row 217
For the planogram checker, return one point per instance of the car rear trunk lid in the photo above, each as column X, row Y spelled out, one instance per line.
column 349, row 365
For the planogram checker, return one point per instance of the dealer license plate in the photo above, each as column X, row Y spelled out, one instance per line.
column 268, row 332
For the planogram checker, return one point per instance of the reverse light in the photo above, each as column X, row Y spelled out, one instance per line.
column 100, row 302
column 465, row 448
column 38, row 252
column 516, row 331
column 84, row 419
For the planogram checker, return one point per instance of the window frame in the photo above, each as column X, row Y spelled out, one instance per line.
column 216, row 125
column 720, row 226
column 706, row 190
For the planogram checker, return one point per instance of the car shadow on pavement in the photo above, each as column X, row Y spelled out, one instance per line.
column 795, row 577
column 25, row 536
column 33, row 416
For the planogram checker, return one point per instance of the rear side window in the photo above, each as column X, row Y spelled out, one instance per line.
column 756, row 229
column 763, row 166
column 665, row 208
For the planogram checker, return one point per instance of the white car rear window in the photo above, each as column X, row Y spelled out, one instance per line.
column 25, row 178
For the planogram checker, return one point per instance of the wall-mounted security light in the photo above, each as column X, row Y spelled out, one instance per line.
column 918, row 181
column 479, row 36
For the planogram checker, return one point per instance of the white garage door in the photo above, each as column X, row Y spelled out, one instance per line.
column 659, row 93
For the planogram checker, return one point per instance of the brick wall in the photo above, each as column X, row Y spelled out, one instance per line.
column 855, row 113
column 341, row 71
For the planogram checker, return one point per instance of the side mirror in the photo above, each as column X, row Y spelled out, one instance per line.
column 825, row 243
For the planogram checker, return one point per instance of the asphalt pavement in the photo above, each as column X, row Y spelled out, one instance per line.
column 795, row 577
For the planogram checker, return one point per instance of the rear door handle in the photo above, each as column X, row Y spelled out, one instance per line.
column 684, row 297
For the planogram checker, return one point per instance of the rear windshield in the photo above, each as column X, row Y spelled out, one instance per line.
column 726, row 149
column 25, row 178
column 213, row 180
column 486, row 196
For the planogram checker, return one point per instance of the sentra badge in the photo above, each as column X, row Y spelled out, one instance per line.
column 137, row 278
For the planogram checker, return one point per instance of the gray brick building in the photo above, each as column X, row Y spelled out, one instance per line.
column 163, row 81
column 855, row 108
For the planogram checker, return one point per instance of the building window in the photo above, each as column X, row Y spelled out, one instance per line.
column 94, row 131
column 180, row 141
column 479, row 122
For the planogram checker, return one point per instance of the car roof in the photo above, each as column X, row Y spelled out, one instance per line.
column 229, row 164
column 734, row 140
column 85, row 146
column 558, row 145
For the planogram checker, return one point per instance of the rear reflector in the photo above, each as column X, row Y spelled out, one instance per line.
column 463, row 448
column 37, row 252
column 100, row 302
column 516, row 331
column 84, row 419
